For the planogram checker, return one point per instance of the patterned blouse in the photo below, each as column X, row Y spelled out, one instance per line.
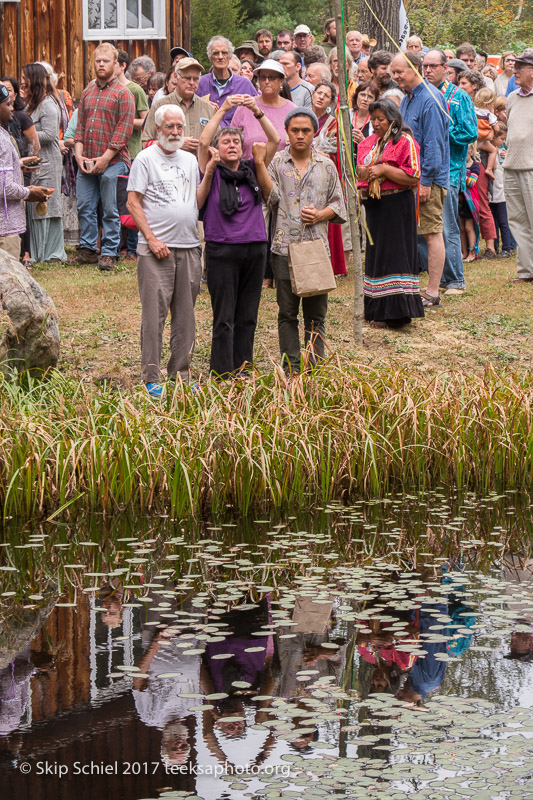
column 405, row 155
column 319, row 186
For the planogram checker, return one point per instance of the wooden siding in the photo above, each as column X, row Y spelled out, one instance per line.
column 52, row 30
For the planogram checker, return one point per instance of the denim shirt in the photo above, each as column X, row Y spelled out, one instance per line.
column 424, row 110
column 463, row 130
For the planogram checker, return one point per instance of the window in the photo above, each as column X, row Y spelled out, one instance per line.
column 124, row 19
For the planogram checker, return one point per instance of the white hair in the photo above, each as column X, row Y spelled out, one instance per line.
column 49, row 68
column 414, row 40
column 393, row 93
column 160, row 113
column 214, row 39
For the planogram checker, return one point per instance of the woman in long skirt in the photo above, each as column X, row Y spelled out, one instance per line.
column 388, row 169
column 43, row 105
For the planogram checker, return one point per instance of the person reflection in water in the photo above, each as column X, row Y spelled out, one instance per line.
column 176, row 744
column 521, row 645
column 111, row 603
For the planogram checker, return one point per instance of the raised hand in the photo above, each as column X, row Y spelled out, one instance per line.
column 259, row 150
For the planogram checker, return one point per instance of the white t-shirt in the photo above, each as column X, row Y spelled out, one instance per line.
column 168, row 184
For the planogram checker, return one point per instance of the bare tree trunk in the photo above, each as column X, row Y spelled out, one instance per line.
column 350, row 187
column 388, row 13
column 519, row 12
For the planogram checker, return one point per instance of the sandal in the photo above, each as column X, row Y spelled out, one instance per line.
column 27, row 263
column 428, row 301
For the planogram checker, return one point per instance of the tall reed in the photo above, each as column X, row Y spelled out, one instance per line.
column 343, row 430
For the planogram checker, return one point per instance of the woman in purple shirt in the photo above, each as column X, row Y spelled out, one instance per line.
column 235, row 238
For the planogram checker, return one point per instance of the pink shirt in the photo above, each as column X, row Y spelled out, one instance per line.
column 251, row 127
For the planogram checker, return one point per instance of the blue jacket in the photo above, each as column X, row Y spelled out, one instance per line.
column 463, row 130
column 424, row 110
column 511, row 86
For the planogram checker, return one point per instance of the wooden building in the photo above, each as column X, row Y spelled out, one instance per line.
column 66, row 32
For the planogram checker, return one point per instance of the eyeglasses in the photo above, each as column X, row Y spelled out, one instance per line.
column 323, row 95
column 269, row 78
column 432, row 66
column 190, row 78
column 176, row 127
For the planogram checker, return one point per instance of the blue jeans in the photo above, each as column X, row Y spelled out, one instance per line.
column 453, row 276
column 132, row 240
column 89, row 190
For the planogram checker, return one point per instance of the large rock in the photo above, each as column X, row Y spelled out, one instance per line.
column 29, row 329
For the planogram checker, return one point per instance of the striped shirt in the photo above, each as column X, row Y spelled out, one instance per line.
column 105, row 120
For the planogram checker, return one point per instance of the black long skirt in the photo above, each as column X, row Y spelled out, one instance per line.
column 391, row 284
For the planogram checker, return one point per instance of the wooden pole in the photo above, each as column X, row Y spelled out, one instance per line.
column 350, row 187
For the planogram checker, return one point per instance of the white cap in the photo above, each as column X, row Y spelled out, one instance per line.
column 301, row 29
column 273, row 66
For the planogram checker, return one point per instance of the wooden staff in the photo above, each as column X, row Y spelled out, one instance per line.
column 350, row 190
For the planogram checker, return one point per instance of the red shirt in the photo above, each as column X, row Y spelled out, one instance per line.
column 405, row 155
column 105, row 120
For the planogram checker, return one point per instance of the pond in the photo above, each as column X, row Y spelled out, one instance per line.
column 380, row 650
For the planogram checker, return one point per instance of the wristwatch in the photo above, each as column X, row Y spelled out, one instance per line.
column 260, row 115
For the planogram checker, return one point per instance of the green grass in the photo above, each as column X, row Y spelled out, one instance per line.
column 343, row 431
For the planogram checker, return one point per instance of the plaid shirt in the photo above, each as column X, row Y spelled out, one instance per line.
column 105, row 120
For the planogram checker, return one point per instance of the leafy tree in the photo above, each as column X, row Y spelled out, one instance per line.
column 224, row 17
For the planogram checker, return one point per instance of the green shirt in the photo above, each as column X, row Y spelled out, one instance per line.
column 141, row 104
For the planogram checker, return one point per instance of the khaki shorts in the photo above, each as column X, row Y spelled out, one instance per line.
column 11, row 244
column 430, row 213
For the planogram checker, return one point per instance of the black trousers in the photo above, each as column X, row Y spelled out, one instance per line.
column 234, row 279
column 499, row 215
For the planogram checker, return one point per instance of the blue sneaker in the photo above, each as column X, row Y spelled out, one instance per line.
column 155, row 390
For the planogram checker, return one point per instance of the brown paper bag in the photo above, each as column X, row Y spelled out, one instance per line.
column 310, row 268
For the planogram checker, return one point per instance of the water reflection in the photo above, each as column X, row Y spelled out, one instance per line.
column 213, row 663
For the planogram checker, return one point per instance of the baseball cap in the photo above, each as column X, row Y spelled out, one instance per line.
column 301, row 29
column 179, row 51
column 184, row 63
column 4, row 94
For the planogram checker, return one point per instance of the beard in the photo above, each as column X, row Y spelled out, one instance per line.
column 171, row 143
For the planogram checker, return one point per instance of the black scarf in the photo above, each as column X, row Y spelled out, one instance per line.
column 229, row 194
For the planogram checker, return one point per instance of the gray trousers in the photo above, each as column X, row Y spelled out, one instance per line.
column 168, row 284
column 314, row 311
column 519, row 198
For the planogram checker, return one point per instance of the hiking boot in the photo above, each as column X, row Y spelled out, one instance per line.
column 84, row 256
column 106, row 263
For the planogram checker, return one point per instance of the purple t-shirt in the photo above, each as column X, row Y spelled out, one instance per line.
column 237, row 85
column 246, row 225
column 251, row 127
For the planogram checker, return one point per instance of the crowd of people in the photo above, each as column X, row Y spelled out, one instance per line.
column 229, row 166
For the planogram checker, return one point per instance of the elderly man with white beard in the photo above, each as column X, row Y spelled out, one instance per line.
column 164, row 195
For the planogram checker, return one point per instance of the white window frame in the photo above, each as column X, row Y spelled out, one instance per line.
column 158, row 31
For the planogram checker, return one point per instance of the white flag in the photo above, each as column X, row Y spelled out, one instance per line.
column 404, row 26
